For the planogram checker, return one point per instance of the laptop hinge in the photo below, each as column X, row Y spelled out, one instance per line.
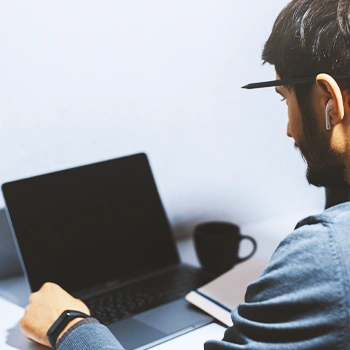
column 118, row 283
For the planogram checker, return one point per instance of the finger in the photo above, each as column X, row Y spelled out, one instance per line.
column 26, row 322
column 25, row 326
column 32, row 332
column 33, row 297
column 83, row 306
column 48, row 286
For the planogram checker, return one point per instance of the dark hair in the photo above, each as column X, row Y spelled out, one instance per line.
column 311, row 37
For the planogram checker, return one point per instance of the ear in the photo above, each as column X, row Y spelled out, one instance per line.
column 329, row 90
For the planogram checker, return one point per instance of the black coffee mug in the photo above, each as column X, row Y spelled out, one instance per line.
column 217, row 245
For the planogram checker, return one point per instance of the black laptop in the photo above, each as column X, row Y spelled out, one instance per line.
column 100, row 231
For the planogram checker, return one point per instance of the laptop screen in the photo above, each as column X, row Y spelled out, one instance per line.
column 90, row 225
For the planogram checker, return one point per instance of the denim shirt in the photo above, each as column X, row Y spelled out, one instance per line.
column 301, row 300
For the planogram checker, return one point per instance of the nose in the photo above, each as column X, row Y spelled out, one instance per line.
column 288, row 131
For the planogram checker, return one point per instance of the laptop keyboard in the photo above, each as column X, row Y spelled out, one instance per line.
column 146, row 294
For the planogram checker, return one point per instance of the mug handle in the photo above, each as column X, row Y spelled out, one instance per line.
column 254, row 248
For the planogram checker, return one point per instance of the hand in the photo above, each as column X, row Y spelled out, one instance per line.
column 45, row 306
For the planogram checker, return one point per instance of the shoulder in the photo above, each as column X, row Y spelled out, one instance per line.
column 315, row 236
column 301, row 300
column 336, row 215
column 305, row 286
column 311, row 254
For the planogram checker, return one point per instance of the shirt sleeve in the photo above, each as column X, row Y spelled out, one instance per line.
column 89, row 336
column 299, row 301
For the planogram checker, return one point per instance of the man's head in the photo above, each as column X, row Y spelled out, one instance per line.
column 311, row 37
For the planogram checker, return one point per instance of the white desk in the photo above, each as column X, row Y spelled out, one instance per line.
column 14, row 291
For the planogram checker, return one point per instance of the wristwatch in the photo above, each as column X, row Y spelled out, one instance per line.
column 61, row 323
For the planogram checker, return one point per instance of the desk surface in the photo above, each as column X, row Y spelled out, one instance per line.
column 14, row 291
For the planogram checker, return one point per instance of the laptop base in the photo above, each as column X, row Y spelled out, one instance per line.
column 157, row 325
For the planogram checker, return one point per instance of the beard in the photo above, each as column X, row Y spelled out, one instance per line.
column 324, row 167
column 321, row 172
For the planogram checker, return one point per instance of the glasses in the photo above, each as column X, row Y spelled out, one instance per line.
column 295, row 81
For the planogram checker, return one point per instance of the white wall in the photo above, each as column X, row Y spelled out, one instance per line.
column 84, row 81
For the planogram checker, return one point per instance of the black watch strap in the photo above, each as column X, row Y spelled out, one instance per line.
column 61, row 323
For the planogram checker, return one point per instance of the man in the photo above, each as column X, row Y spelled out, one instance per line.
column 302, row 299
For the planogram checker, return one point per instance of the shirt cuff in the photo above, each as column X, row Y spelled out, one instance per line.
column 90, row 337
column 88, row 320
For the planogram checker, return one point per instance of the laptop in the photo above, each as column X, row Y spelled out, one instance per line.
column 100, row 231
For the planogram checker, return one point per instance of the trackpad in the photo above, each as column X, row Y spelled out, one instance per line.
column 132, row 333
column 158, row 323
column 174, row 316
